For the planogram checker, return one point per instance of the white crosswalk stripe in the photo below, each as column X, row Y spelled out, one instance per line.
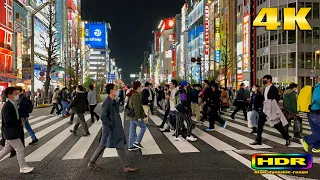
column 219, row 139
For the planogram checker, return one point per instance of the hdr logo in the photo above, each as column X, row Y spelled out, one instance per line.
column 291, row 162
column 97, row 32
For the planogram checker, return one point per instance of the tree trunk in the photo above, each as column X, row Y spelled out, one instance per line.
column 47, row 81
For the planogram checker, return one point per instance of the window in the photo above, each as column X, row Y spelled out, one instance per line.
column 291, row 37
column 309, row 60
column 308, row 37
column 316, row 35
column 280, row 15
column 283, row 61
column 309, row 4
column 315, row 10
column 272, row 63
column 301, row 60
column 284, row 37
column 292, row 60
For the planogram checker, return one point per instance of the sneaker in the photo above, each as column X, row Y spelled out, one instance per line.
column 26, row 170
column 315, row 150
column 73, row 132
column 94, row 166
column 208, row 129
column 129, row 169
column 232, row 116
column 254, row 130
column 133, row 148
column 224, row 125
column 256, row 143
column 166, row 130
column 138, row 145
column 180, row 138
column 288, row 142
column 86, row 134
column 160, row 126
column 33, row 142
column 191, row 138
column 305, row 145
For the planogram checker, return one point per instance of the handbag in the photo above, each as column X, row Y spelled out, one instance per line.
column 297, row 124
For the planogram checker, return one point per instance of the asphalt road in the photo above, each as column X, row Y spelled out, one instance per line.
column 224, row 154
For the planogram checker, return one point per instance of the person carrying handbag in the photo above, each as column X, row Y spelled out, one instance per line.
column 290, row 110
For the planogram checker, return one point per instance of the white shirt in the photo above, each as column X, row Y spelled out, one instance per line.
column 266, row 91
column 172, row 96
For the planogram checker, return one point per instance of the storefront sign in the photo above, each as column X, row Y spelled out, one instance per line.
column 218, row 40
column 246, row 46
column 19, row 55
column 26, row 67
column 206, row 29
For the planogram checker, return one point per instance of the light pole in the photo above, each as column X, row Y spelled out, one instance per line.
column 315, row 66
column 33, row 13
column 119, row 73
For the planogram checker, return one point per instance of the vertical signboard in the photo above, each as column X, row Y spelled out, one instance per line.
column 19, row 55
column 218, row 40
column 246, row 46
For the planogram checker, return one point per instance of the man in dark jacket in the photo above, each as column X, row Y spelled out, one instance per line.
column 80, row 104
column 112, row 131
column 24, row 106
column 146, row 100
column 206, row 94
column 241, row 102
column 12, row 129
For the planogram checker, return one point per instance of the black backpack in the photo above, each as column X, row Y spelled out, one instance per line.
column 30, row 105
column 129, row 109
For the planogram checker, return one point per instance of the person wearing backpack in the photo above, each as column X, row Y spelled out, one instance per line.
column 24, row 108
column 314, row 120
column 290, row 109
column 136, row 117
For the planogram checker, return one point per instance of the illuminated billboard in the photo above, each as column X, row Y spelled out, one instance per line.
column 166, row 24
column 218, row 40
column 246, row 48
column 95, row 35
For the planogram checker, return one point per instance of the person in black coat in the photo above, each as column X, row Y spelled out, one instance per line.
column 80, row 104
column 241, row 102
column 12, row 129
column 205, row 98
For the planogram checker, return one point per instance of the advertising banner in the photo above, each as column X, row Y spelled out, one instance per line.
column 97, row 35
column 19, row 55
column 40, row 35
column 26, row 67
column 246, row 46
column 218, row 40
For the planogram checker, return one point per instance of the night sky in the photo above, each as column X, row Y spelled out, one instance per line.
column 132, row 23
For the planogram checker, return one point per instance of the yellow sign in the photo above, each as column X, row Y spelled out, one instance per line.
column 290, row 18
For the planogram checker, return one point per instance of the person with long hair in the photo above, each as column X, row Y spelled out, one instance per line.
column 257, row 106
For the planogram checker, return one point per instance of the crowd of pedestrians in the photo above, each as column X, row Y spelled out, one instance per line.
column 179, row 102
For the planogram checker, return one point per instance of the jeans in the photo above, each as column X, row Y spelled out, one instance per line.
column 65, row 105
column 172, row 120
column 132, row 132
column 55, row 107
column 29, row 129
column 314, row 138
column 92, row 107
column 254, row 118
column 17, row 145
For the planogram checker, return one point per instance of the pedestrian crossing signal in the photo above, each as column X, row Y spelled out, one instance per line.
column 281, row 161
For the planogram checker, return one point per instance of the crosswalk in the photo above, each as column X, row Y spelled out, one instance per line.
column 234, row 140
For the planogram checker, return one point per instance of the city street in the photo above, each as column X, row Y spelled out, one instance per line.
column 223, row 154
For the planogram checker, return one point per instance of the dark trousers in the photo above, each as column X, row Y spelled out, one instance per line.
column 172, row 119
column 213, row 117
column 55, row 107
column 159, row 105
column 204, row 113
column 151, row 106
column 240, row 105
column 181, row 117
column 262, row 120
column 71, row 117
column 92, row 107
column 165, row 117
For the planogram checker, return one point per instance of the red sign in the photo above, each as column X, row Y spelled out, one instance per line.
column 167, row 24
column 157, row 40
column 172, row 37
column 206, row 29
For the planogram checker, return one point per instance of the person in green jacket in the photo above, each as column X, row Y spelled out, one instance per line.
column 290, row 107
column 135, row 103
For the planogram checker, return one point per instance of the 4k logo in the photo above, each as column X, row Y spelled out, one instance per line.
column 290, row 18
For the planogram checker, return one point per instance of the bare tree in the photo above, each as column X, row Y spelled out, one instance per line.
column 226, row 57
column 51, row 46
column 77, row 57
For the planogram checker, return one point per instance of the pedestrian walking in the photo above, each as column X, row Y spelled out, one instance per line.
column 146, row 100
column 206, row 94
column 241, row 102
column 25, row 107
column 257, row 107
column 93, row 101
column 80, row 104
column 314, row 120
column 166, row 106
column 12, row 129
column 55, row 102
column 172, row 113
column 270, row 112
column 112, row 131
column 72, row 111
column 194, row 98
column 64, row 101
column 136, row 117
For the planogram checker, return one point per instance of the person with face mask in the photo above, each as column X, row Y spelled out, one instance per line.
column 12, row 129
column 80, row 104
column 270, row 109
column 135, row 103
column 241, row 102
column 257, row 105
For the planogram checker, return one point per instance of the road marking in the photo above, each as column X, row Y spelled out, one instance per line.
column 39, row 124
column 149, row 144
column 212, row 141
column 251, row 152
column 265, row 135
column 31, row 120
column 247, row 163
column 79, row 150
column 182, row 146
column 287, row 177
column 51, row 145
column 238, row 137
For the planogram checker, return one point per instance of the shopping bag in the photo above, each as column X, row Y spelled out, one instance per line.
column 297, row 124
column 249, row 113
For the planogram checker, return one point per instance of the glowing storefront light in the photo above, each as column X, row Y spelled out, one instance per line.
column 246, row 47
column 19, row 55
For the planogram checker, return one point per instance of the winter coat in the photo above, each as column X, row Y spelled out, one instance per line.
column 112, row 129
column 55, row 98
column 79, row 103
column 145, row 96
column 11, row 125
column 273, row 112
column 290, row 102
column 257, row 101
column 241, row 95
column 23, row 107
column 136, row 104
column 92, row 97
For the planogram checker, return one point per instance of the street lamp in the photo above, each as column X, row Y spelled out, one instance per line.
column 119, row 72
column 33, row 13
